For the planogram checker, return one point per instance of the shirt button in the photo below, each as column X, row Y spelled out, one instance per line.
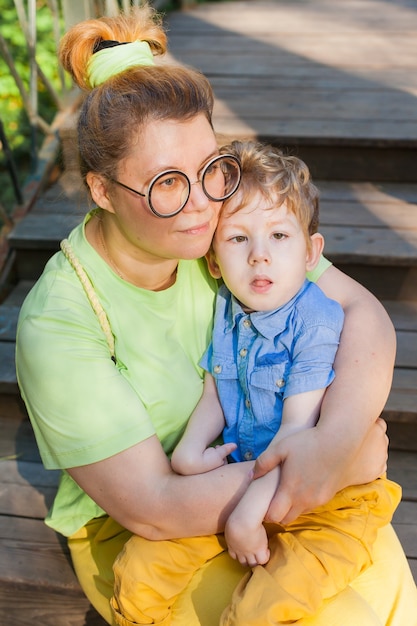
column 217, row 369
column 248, row 456
column 243, row 352
column 246, row 323
column 247, row 403
column 280, row 382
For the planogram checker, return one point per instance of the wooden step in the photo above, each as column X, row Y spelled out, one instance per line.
column 36, row 577
column 36, row 237
column 400, row 410
column 370, row 231
column 288, row 73
column 37, row 582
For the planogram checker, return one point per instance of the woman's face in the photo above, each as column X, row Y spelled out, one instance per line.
column 161, row 145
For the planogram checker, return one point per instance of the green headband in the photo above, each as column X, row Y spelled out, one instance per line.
column 111, row 61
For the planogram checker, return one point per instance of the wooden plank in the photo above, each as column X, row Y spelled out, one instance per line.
column 389, row 215
column 28, row 490
column 19, row 292
column 374, row 193
column 403, row 315
column 407, row 531
column 22, row 606
column 8, row 322
column 377, row 246
column 405, row 525
column 406, row 348
column 67, row 196
column 36, row 231
column 402, row 468
column 304, row 77
column 8, row 382
column 315, row 104
column 288, row 73
column 395, row 282
column 17, row 439
column 297, row 18
column 229, row 122
column 46, row 565
column 37, row 582
column 240, row 55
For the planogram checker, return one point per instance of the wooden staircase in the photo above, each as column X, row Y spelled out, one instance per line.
column 351, row 119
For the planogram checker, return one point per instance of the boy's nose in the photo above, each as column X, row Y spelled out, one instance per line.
column 259, row 254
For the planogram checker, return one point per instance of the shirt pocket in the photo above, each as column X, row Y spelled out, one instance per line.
column 223, row 368
column 267, row 393
column 225, row 374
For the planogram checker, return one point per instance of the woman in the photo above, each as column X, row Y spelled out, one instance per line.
column 109, row 340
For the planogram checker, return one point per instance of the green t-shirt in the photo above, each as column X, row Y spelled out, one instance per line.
column 82, row 406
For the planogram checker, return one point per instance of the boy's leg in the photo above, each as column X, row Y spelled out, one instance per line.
column 149, row 576
column 386, row 589
column 314, row 558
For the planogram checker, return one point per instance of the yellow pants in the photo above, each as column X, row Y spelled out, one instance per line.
column 311, row 560
column 383, row 595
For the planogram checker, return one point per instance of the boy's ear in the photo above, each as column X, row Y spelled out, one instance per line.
column 212, row 264
column 314, row 253
column 98, row 190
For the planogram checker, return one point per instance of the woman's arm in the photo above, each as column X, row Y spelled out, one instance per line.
column 347, row 446
column 138, row 488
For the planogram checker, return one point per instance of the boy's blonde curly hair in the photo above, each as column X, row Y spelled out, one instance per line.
column 268, row 170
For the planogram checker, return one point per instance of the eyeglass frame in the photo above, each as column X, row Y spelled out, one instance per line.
column 147, row 195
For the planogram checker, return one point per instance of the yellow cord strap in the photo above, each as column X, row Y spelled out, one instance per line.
column 91, row 295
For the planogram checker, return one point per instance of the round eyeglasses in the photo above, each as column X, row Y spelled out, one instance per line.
column 168, row 191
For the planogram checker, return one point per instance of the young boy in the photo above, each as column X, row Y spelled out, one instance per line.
column 269, row 363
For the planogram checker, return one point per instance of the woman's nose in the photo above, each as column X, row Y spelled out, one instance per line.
column 197, row 200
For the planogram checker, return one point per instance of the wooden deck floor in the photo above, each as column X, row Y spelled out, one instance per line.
column 312, row 74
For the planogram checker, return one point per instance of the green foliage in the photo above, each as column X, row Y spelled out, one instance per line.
column 12, row 113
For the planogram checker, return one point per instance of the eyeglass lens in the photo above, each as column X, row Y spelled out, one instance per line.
column 170, row 191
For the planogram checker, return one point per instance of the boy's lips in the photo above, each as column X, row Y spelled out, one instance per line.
column 261, row 283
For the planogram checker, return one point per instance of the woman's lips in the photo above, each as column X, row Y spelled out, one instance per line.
column 200, row 229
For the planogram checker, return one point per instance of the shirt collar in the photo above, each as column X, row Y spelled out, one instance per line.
column 267, row 323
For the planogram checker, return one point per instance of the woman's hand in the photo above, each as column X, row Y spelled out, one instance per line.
column 138, row 488
column 312, row 471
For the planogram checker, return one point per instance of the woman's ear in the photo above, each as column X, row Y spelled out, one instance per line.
column 212, row 264
column 314, row 252
column 98, row 190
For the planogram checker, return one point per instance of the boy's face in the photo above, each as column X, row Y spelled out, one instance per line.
column 261, row 252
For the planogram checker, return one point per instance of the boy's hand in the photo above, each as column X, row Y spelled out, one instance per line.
column 217, row 456
column 247, row 545
column 200, row 462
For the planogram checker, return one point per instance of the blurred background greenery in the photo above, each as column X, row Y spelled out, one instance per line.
column 16, row 126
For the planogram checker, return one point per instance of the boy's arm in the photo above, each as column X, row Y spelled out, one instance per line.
column 245, row 534
column 193, row 454
column 300, row 412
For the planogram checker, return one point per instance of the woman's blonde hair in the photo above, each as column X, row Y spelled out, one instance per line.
column 114, row 113
column 268, row 170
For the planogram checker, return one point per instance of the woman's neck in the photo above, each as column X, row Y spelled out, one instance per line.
column 154, row 276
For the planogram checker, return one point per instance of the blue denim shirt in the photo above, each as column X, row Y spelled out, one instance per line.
column 261, row 358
